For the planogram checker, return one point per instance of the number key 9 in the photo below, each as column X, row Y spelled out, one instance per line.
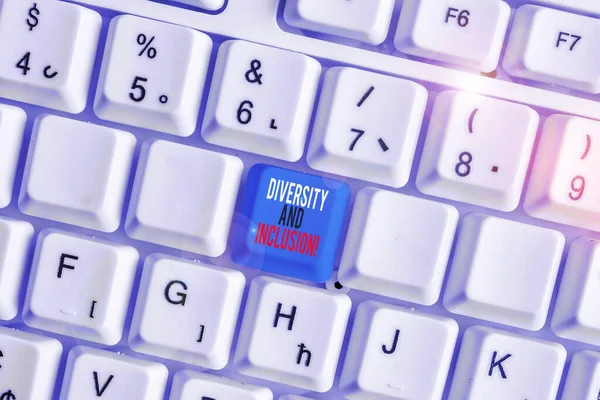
column 563, row 184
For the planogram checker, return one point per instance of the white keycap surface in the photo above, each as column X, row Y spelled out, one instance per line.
column 148, row 82
column 575, row 313
column 367, row 126
column 468, row 33
column 555, row 47
column 503, row 271
column 580, row 6
column 209, row 5
column 183, row 197
column 292, row 333
column 12, row 124
column 190, row 385
column 294, row 397
column 15, row 242
column 477, row 150
column 76, row 173
column 257, row 106
column 28, row 365
column 364, row 20
column 382, row 256
column 562, row 187
column 186, row 311
column 48, row 50
column 80, row 286
column 583, row 379
column 92, row 374
column 391, row 351
column 497, row 365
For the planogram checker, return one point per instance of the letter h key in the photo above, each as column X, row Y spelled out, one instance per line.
column 292, row 334
column 290, row 317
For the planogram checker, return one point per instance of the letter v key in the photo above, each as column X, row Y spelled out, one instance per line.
column 100, row 392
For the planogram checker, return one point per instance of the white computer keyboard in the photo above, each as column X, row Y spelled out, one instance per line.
column 299, row 199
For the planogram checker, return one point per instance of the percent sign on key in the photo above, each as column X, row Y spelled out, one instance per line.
column 150, row 52
column 142, row 40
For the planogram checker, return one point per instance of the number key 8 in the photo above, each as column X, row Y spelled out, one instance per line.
column 477, row 150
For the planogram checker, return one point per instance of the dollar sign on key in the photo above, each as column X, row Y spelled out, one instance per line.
column 9, row 395
column 32, row 20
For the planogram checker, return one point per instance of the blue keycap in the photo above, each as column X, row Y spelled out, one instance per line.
column 290, row 223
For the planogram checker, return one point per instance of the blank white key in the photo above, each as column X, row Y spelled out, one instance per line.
column 80, row 287
column 28, row 365
column 183, row 197
column 386, row 227
column 562, row 187
column 554, row 47
column 497, row 365
column 209, row 5
column 292, row 334
column 48, row 49
column 583, row 380
column 148, row 82
column 591, row 7
column 92, row 374
column 15, row 242
column 76, row 173
column 364, row 20
column 186, row 311
column 477, row 150
column 12, row 124
column 503, row 271
column 396, row 353
column 469, row 33
column 575, row 314
column 367, row 126
column 261, row 100
column 190, row 385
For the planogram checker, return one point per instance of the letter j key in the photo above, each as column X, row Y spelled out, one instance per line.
column 290, row 223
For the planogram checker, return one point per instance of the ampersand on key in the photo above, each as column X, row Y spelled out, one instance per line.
column 252, row 74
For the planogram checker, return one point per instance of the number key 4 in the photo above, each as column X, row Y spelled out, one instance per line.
column 477, row 150
column 562, row 188
column 48, row 50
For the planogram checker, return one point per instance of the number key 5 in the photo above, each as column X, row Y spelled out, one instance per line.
column 147, row 82
column 477, row 150
column 562, row 186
